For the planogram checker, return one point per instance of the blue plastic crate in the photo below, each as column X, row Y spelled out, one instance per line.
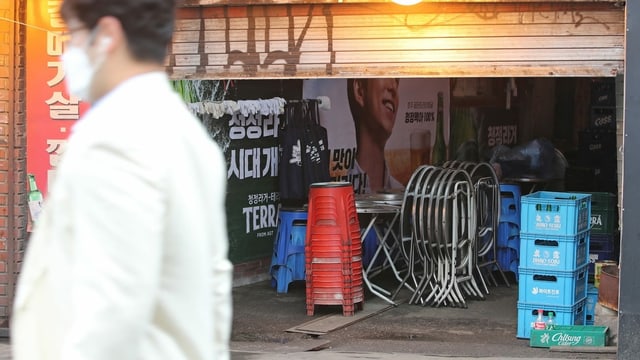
column 555, row 213
column 561, row 288
column 601, row 247
column 600, row 242
column 592, row 300
column 574, row 314
column 554, row 253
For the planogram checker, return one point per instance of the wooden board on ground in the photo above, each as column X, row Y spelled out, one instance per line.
column 328, row 323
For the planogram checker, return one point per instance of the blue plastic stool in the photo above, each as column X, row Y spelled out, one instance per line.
column 369, row 247
column 510, row 203
column 288, row 260
column 508, row 235
column 508, row 260
column 295, row 251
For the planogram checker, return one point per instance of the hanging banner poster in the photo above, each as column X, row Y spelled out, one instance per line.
column 380, row 130
column 249, row 140
column 50, row 111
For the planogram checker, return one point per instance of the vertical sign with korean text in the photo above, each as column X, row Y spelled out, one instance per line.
column 51, row 112
column 250, row 144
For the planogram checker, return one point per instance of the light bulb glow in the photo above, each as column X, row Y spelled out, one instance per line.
column 406, row 2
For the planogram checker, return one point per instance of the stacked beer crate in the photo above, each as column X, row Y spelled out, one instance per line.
column 554, row 258
column 604, row 227
column 597, row 147
column 603, row 242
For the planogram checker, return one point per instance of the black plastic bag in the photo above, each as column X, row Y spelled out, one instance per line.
column 536, row 159
column 304, row 152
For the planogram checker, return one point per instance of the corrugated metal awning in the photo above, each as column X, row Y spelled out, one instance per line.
column 443, row 39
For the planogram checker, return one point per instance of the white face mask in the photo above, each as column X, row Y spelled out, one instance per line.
column 78, row 71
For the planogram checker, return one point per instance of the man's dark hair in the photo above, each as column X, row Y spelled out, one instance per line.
column 148, row 24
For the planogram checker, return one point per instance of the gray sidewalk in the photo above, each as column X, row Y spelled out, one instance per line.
column 5, row 354
column 338, row 355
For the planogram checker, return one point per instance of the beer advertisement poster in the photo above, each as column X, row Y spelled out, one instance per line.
column 411, row 140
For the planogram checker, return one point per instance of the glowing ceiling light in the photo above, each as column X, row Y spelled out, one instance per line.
column 406, row 2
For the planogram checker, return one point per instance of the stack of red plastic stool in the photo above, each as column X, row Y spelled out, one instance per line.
column 333, row 250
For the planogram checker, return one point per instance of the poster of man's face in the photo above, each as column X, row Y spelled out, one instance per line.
column 374, row 105
column 397, row 116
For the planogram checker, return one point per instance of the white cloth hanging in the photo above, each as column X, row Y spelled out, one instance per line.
column 217, row 109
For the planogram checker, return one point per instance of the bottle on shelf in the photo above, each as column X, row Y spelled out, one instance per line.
column 439, row 151
column 35, row 198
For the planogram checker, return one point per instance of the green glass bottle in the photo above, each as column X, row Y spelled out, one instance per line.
column 439, row 152
column 35, row 198
column 551, row 322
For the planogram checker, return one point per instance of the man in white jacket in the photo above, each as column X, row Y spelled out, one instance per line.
column 128, row 259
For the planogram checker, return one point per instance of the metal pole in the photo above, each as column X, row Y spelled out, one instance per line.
column 629, row 306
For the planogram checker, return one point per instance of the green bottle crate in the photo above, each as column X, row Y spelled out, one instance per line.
column 570, row 335
column 604, row 211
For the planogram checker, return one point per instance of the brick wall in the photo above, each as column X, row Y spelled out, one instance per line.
column 13, row 212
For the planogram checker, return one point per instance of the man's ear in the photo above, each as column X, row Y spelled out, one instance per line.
column 110, row 34
column 358, row 91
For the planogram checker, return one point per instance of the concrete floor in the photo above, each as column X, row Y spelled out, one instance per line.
column 486, row 328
